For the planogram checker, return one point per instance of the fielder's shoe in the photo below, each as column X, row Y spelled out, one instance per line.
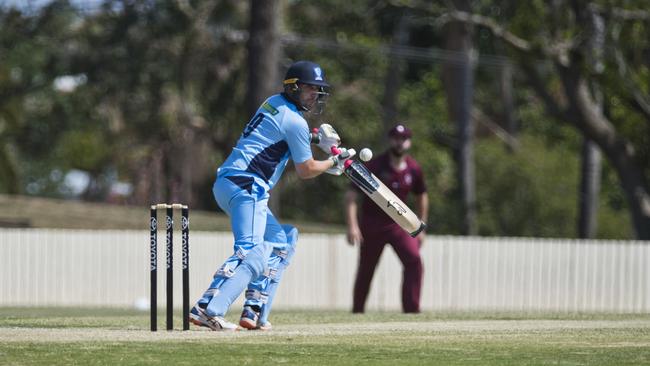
column 249, row 318
column 199, row 317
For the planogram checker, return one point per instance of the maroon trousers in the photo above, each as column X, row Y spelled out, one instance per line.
column 408, row 251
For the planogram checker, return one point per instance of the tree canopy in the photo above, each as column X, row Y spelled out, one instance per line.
column 151, row 96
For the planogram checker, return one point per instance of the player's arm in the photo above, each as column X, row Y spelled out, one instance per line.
column 311, row 168
column 299, row 140
column 351, row 209
column 422, row 207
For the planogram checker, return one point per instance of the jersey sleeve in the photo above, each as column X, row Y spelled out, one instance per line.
column 298, row 139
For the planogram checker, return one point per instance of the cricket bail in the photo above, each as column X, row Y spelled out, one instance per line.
column 419, row 230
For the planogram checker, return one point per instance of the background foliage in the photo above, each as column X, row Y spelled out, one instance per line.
column 158, row 100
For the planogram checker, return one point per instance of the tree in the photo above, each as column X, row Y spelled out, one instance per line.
column 263, row 52
column 165, row 91
column 263, row 63
column 560, row 41
column 458, row 77
column 394, row 73
column 29, row 108
column 591, row 165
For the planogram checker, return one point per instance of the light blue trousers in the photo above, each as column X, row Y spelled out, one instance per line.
column 261, row 249
column 261, row 291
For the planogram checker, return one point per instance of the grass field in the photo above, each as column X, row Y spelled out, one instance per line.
column 38, row 212
column 111, row 336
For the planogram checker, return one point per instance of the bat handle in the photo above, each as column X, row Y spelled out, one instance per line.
column 314, row 136
column 419, row 230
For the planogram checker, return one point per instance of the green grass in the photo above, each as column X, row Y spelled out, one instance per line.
column 114, row 336
column 37, row 212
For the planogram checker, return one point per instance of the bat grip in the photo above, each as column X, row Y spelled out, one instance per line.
column 419, row 230
column 314, row 138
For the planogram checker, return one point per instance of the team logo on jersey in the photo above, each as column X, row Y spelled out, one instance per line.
column 319, row 74
column 270, row 108
column 408, row 179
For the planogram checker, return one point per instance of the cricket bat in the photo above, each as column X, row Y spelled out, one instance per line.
column 384, row 198
column 379, row 193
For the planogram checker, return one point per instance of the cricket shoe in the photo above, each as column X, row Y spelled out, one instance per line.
column 249, row 318
column 199, row 317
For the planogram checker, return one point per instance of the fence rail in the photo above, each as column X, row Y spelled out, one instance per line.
column 110, row 268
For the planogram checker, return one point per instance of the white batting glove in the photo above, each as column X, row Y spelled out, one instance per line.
column 340, row 156
column 327, row 137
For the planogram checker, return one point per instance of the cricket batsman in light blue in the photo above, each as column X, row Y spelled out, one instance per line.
column 262, row 246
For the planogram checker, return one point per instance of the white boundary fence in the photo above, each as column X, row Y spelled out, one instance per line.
column 111, row 268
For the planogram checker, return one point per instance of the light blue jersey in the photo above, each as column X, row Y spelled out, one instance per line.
column 275, row 134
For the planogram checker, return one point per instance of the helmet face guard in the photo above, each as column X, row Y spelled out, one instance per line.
column 321, row 101
column 294, row 92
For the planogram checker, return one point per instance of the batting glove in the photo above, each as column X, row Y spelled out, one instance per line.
column 340, row 157
column 328, row 138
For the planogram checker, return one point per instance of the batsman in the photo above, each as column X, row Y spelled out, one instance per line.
column 277, row 133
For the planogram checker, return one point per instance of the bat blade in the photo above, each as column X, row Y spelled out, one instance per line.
column 379, row 193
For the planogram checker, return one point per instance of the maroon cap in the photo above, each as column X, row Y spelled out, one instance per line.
column 400, row 131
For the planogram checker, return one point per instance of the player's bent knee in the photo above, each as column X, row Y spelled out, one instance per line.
column 256, row 267
column 256, row 259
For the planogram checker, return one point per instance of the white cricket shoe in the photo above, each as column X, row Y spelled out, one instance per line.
column 199, row 317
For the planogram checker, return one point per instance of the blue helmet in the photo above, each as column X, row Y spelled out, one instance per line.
column 305, row 72
column 310, row 73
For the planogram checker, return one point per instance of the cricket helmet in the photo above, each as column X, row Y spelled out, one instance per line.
column 309, row 73
column 305, row 72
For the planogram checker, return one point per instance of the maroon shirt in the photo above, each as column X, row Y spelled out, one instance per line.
column 401, row 183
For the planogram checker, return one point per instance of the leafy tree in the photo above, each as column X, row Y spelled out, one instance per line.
column 162, row 98
column 559, row 35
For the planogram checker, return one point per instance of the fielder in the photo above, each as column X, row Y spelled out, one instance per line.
column 374, row 228
column 262, row 247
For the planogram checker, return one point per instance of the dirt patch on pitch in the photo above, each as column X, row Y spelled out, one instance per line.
column 46, row 335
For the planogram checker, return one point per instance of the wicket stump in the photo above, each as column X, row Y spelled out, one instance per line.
column 169, row 239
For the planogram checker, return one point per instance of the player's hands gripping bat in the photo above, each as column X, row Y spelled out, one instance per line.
column 341, row 158
column 326, row 138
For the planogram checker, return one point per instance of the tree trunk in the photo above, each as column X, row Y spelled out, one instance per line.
column 263, row 53
column 591, row 159
column 394, row 74
column 589, row 118
column 458, row 78
column 263, row 56
column 8, row 171
column 507, row 95
column 589, row 190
